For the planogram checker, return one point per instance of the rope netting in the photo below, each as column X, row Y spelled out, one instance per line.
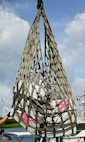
column 43, row 102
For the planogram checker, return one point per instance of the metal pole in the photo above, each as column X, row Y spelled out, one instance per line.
column 84, row 105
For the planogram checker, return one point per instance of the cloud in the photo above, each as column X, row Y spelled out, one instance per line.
column 75, row 43
column 4, row 93
column 75, row 29
column 13, row 32
column 79, row 83
column 73, row 52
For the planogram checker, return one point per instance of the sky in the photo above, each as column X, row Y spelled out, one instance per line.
column 67, row 21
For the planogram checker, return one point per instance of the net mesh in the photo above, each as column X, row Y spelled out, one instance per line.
column 43, row 101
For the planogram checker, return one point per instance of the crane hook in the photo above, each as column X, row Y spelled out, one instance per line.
column 40, row 4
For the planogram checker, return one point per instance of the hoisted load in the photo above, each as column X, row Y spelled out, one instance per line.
column 43, row 101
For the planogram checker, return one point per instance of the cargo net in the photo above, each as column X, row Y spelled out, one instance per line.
column 43, row 101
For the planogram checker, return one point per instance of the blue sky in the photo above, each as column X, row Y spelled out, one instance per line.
column 67, row 21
